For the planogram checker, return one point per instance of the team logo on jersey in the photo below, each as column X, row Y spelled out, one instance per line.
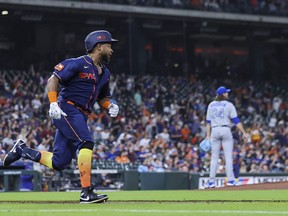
column 83, row 75
column 101, row 37
column 59, row 67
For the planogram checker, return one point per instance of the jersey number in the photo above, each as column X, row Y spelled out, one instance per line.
column 217, row 113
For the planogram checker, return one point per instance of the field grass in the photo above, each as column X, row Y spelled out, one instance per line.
column 148, row 203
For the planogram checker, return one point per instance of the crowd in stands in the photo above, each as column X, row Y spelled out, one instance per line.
column 264, row 7
column 161, row 122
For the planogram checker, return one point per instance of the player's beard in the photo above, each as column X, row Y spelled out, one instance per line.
column 105, row 59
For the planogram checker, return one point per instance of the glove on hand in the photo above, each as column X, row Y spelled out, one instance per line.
column 113, row 110
column 205, row 145
column 55, row 111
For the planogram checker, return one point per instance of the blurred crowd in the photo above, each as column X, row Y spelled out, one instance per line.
column 161, row 121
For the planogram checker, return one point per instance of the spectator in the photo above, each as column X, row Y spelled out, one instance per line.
column 7, row 142
column 122, row 158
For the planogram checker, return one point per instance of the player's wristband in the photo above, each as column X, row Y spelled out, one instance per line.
column 106, row 104
column 52, row 95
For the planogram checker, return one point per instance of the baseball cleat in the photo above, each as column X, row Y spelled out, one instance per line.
column 211, row 184
column 232, row 183
column 88, row 196
column 15, row 153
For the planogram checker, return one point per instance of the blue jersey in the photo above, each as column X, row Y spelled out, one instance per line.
column 80, row 82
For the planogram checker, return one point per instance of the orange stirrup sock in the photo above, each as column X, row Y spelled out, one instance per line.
column 46, row 159
column 84, row 166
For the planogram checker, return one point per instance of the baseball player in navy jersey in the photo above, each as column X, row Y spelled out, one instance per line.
column 220, row 112
column 82, row 81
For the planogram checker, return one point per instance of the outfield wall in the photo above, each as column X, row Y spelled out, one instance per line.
column 11, row 180
column 133, row 180
column 183, row 180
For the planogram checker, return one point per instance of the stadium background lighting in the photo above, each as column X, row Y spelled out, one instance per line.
column 4, row 12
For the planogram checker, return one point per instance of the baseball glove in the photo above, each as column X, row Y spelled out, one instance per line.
column 205, row 145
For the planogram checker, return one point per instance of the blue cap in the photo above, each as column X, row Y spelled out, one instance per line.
column 100, row 36
column 221, row 90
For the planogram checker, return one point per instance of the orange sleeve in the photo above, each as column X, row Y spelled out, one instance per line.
column 52, row 95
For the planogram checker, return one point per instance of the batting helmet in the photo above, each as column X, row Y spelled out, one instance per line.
column 95, row 37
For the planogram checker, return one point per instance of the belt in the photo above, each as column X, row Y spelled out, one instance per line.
column 221, row 126
column 78, row 107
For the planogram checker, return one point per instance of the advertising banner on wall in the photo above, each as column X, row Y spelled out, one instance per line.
column 243, row 180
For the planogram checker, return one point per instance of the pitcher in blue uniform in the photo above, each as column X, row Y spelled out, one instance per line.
column 82, row 81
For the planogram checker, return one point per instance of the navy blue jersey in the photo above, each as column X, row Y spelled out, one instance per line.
column 80, row 82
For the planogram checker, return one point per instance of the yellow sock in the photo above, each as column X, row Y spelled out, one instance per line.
column 46, row 158
column 84, row 166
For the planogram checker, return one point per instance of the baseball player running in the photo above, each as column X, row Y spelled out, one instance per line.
column 220, row 112
column 83, row 81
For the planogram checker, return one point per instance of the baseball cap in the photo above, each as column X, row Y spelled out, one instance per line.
column 221, row 90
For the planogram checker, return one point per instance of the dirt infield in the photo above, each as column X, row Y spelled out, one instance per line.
column 260, row 186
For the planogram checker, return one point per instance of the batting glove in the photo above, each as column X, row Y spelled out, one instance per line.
column 113, row 110
column 55, row 111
